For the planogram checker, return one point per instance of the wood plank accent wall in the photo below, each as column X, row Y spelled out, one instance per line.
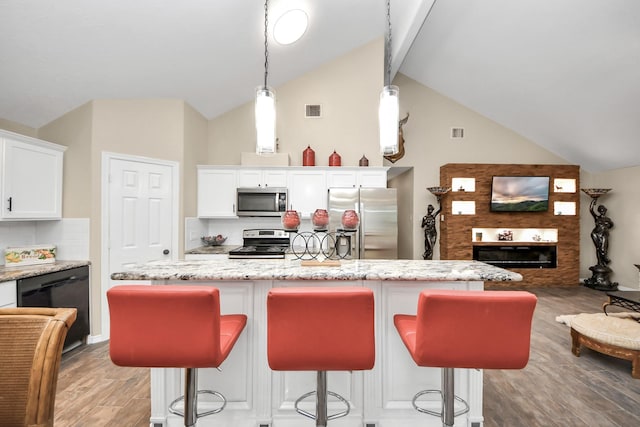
column 456, row 240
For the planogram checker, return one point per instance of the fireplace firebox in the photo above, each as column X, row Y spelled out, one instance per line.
column 517, row 256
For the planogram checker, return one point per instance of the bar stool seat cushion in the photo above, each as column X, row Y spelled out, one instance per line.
column 321, row 329
column 188, row 328
column 454, row 330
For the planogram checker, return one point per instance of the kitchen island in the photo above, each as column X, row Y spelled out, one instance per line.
column 258, row 396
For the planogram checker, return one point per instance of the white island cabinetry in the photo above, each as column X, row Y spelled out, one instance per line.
column 257, row 395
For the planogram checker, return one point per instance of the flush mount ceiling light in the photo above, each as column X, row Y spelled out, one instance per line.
column 265, row 107
column 389, row 108
column 290, row 26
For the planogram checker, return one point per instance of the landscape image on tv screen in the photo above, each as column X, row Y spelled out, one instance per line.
column 520, row 194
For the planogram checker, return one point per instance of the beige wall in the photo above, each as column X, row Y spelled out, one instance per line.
column 348, row 90
column 623, row 207
column 18, row 128
column 165, row 129
column 74, row 130
column 195, row 153
column 428, row 144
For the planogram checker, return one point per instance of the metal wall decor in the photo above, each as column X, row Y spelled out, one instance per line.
column 400, row 154
column 600, row 236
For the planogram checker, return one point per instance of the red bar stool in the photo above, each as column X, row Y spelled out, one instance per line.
column 466, row 329
column 168, row 326
column 320, row 329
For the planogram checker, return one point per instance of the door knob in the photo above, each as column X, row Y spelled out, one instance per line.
column 166, row 252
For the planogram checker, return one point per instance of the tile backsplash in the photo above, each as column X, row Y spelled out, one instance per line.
column 69, row 235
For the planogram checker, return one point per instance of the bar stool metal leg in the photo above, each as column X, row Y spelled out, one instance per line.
column 321, row 399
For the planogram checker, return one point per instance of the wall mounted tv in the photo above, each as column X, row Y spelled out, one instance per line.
column 520, row 194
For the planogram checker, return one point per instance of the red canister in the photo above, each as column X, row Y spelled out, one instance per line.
column 335, row 159
column 308, row 157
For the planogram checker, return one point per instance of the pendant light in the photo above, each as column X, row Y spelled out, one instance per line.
column 265, row 107
column 389, row 109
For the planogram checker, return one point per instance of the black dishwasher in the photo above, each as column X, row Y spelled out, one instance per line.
column 66, row 288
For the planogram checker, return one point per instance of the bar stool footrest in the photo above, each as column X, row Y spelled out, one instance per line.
column 173, row 410
column 329, row 417
column 434, row 413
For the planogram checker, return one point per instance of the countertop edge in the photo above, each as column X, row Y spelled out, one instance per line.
column 283, row 270
column 16, row 273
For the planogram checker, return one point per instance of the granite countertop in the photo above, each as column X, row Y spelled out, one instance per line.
column 211, row 250
column 269, row 269
column 16, row 273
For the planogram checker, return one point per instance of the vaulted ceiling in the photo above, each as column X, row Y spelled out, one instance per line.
column 563, row 73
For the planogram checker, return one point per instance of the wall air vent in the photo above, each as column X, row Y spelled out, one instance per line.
column 457, row 133
column 313, row 111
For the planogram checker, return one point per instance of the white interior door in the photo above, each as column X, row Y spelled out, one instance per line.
column 141, row 216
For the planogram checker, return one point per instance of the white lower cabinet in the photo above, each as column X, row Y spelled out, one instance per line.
column 8, row 295
column 256, row 395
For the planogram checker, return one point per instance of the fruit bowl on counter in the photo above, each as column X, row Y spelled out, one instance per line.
column 213, row 240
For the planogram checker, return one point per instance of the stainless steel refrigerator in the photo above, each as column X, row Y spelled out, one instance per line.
column 377, row 234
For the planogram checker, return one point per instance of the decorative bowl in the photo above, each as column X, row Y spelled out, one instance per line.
column 596, row 192
column 213, row 240
column 438, row 191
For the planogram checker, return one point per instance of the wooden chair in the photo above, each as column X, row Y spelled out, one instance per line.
column 31, row 341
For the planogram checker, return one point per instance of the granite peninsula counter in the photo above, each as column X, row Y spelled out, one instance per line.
column 258, row 396
column 270, row 269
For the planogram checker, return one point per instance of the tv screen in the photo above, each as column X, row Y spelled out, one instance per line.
column 520, row 194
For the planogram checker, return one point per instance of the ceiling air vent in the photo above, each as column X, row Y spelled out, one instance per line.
column 457, row 133
column 313, row 111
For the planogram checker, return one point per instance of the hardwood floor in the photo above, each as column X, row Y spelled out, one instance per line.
column 555, row 389
column 93, row 392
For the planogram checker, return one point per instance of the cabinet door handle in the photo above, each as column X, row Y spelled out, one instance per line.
column 10, row 200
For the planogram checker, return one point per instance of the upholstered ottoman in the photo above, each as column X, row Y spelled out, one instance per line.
column 616, row 335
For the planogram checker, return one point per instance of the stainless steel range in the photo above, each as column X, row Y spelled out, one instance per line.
column 262, row 243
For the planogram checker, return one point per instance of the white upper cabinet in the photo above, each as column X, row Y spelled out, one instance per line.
column 31, row 178
column 263, row 178
column 216, row 192
column 372, row 178
column 355, row 178
column 307, row 191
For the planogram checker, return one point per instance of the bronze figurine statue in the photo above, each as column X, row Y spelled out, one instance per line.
column 600, row 237
column 600, row 233
column 430, row 232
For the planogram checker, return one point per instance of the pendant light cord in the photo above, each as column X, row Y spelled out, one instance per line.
column 266, row 49
column 388, row 47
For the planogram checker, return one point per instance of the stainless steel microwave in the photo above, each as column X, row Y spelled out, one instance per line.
column 261, row 201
